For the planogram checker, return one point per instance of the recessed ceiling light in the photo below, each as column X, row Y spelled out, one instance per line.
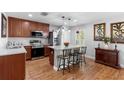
column 44, row 13
column 75, row 20
column 30, row 15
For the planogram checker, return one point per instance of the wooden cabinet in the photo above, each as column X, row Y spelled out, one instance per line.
column 107, row 57
column 33, row 26
column 45, row 28
column 36, row 26
column 12, row 67
column 28, row 54
column 23, row 28
column 14, row 27
column 46, row 50
column 51, row 56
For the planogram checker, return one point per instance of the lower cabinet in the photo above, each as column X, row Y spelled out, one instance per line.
column 46, row 50
column 51, row 56
column 12, row 67
column 28, row 54
column 107, row 57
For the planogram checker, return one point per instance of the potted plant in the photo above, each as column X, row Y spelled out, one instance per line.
column 106, row 41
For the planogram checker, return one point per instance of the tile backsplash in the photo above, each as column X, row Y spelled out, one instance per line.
column 26, row 41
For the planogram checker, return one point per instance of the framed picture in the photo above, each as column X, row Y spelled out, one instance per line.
column 117, row 32
column 99, row 31
column 3, row 26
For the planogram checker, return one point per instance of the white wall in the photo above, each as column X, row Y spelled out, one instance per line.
column 52, row 28
column 73, row 33
column 89, row 37
column 3, row 41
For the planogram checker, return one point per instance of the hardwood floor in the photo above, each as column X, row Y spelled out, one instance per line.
column 42, row 70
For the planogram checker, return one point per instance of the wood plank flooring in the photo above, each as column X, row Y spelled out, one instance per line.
column 42, row 70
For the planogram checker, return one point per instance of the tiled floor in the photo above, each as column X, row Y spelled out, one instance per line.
column 42, row 70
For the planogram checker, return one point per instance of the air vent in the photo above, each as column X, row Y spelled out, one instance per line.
column 44, row 13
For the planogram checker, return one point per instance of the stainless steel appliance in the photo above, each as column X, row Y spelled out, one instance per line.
column 37, row 33
column 37, row 48
column 54, row 38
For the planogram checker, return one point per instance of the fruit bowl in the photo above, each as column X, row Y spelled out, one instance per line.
column 66, row 43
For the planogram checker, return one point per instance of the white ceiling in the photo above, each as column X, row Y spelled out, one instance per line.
column 54, row 18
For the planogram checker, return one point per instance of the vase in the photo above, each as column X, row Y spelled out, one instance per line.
column 106, row 46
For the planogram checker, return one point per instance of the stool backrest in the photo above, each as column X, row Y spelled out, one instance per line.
column 76, row 50
column 83, row 50
column 66, row 52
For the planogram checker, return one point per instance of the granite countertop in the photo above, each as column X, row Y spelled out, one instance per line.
column 63, row 47
column 4, row 51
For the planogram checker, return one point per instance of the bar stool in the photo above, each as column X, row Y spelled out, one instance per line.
column 81, row 55
column 64, row 60
column 74, row 54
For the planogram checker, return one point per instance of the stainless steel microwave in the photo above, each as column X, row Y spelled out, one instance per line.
column 37, row 33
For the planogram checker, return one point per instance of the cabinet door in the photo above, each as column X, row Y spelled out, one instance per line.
column 51, row 56
column 112, row 58
column 46, row 28
column 14, row 27
column 15, row 67
column 2, row 68
column 40, row 26
column 28, row 54
column 99, row 55
column 33, row 26
column 46, row 50
column 26, row 31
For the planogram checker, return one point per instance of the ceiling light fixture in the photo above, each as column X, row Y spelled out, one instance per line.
column 44, row 13
column 30, row 15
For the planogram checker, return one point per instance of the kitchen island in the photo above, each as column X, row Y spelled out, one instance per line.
column 57, row 50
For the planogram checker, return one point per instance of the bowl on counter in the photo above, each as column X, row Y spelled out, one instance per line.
column 66, row 44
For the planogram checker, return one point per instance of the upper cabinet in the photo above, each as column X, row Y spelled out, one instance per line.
column 14, row 27
column 26, row 30
column 23, row 28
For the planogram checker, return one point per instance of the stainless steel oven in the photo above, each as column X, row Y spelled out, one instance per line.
column 37, row 52
column 37, row 48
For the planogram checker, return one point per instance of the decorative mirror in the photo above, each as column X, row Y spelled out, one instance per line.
column 99, row 31
column 3, row 26
column 117, row 32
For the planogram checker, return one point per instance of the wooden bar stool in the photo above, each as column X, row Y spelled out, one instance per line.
column 74, row 54
column 64, row 60
column 81, row 55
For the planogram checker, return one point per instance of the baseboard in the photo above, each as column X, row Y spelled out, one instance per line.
column 87, row 56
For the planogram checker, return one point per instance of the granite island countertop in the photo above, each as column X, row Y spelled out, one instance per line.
column 64, row 47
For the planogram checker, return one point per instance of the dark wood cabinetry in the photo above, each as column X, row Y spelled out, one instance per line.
column 51, row 56
column 23, row 28
column 46, row 50
column 107, row 57
column 28, row 54
column 12, row 67
column 14, row 27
